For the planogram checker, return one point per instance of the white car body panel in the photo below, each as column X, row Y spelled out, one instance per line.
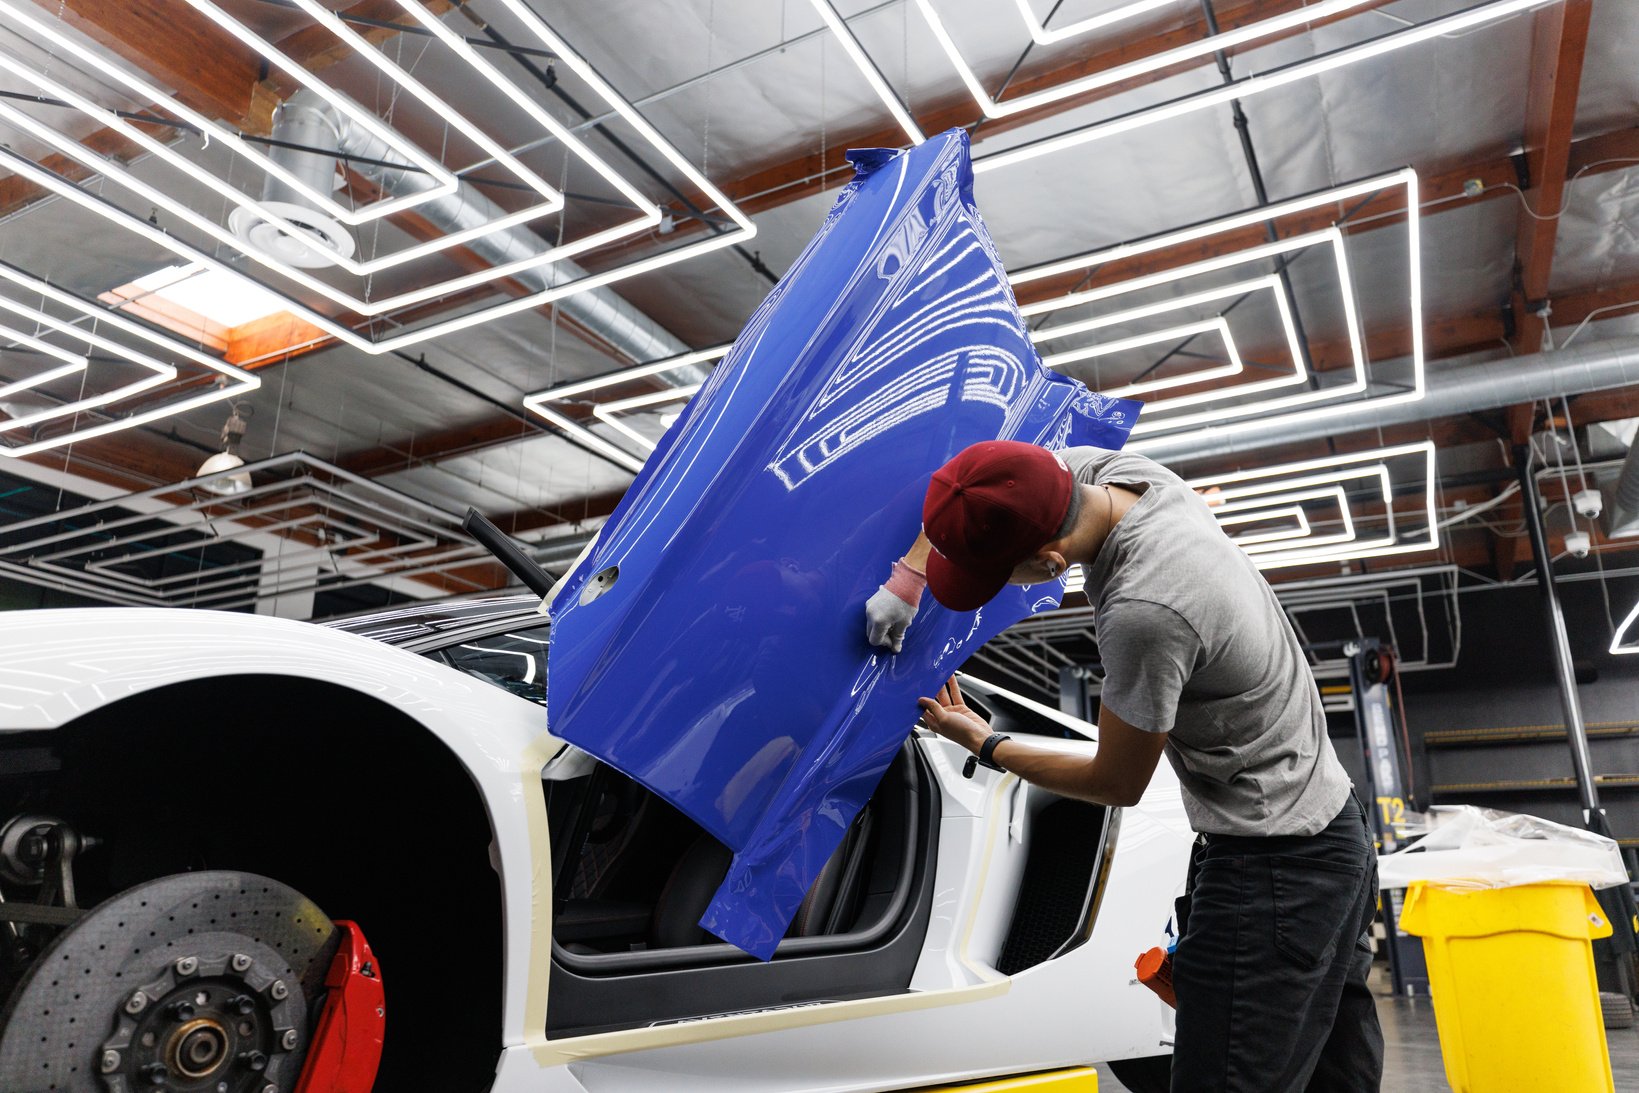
column 56, row 666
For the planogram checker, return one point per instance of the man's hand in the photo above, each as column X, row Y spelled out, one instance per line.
column 891, row 609
column 950, row 716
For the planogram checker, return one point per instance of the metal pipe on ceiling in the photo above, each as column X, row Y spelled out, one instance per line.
column 1487, row 385
column 1576, row 731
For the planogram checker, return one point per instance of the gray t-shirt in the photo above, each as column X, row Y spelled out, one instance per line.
column 1195, row 645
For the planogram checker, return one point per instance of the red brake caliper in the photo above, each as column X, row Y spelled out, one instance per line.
column 346, row 1048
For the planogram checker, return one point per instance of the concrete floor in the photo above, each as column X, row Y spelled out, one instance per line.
column 1411, row 1049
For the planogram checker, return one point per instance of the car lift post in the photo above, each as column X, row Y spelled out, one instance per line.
column 1370, row 668
column 1618, row 902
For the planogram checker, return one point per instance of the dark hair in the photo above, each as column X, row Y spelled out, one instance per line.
column 1073, row 513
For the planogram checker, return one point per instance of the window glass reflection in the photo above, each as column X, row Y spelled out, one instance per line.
column 514, row 662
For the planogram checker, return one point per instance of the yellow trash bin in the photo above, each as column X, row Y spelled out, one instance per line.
column 1515, row 997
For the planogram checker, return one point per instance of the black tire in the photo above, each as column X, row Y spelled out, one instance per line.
column 212, row 977
column 1152, row 1074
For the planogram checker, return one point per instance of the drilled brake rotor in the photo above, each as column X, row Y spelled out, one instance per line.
column 197, row 983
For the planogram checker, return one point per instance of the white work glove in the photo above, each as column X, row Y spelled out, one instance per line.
column 892, row 607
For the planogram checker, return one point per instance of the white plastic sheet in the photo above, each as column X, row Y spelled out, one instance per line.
column 1460, row 846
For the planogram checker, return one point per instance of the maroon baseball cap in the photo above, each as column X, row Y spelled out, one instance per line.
column 987, row 510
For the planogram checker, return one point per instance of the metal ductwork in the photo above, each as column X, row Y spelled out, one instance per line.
column 307, row 120
column 297, row 124
column 1593, row 366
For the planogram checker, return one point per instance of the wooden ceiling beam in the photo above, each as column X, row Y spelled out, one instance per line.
column 1487, row 179
column 789, row 180
column 1559, row 39
column 176, row 45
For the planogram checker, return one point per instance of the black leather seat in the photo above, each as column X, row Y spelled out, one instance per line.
column 701, row 868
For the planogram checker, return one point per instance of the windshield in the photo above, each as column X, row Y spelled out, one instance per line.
column 515, row 662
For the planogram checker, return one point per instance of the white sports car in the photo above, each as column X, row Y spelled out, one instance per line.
column 186, row 796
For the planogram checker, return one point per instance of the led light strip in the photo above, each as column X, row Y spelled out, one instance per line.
column 1241, row 511
column 608, row 412
column 552, row 200
column 1313, row 471
column 1216, row 325
column 73, row 362
column 1300, row 525
column 1262, row 407
column 397, row 535
column 19, row 16
column 1617, row 640
column 447, row 182
column 1044, row 37
column 1284, row 491
column 158, row 372
column 117, row 173
column 867, row 68
column 537, row 403
column 1271, row 283
column 238, row 381
column 1204, row 47
column 1222, row 423
column 1247, row 86
column 744, row 228
column 1327, row 472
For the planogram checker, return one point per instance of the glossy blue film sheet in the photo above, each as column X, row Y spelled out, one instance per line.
column 726, row 666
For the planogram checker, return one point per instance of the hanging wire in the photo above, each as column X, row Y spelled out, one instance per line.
column 711, row 85
column 822, row 160
column 1570, row 427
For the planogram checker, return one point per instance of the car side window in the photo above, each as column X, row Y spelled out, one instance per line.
column 514, row 662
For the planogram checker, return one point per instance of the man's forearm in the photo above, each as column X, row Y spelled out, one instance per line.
column 1080, row 776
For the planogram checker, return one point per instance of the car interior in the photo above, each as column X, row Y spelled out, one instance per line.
column 632, row 877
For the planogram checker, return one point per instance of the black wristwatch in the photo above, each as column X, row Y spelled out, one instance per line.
column 983, row 758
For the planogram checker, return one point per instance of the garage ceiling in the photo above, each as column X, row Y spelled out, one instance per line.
column 131, row 134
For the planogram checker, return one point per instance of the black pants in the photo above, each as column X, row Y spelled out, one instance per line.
column 1270, row 971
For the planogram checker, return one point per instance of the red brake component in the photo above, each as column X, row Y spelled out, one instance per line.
column 346, row 1048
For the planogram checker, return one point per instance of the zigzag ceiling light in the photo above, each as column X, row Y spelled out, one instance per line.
column 1205, row 47
column 381, row 328
column 1419, row 613
column 306, row 526
column 1243, row 88
column 1621, row 643
column 1357, row 505
column 1042, row 36
column 1179, row 333
column 1237, row 405
column 1372, row 487
column 1298, row 528
column 867, row 68
column 120, row 364
column 565, row 406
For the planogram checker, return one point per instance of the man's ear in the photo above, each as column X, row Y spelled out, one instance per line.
column 1052, row 558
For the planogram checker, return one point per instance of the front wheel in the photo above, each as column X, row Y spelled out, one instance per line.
column 207, row 981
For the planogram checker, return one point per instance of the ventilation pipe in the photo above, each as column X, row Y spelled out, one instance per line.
column 1490, row 385
column 306, row 119
column 298, row 124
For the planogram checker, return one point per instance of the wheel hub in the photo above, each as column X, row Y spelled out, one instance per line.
column 199, row 1048
column 215, row 1022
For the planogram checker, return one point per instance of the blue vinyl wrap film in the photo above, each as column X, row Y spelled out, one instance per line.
column 726, row 667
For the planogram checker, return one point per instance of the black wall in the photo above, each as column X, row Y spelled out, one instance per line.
column 1505, row 680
